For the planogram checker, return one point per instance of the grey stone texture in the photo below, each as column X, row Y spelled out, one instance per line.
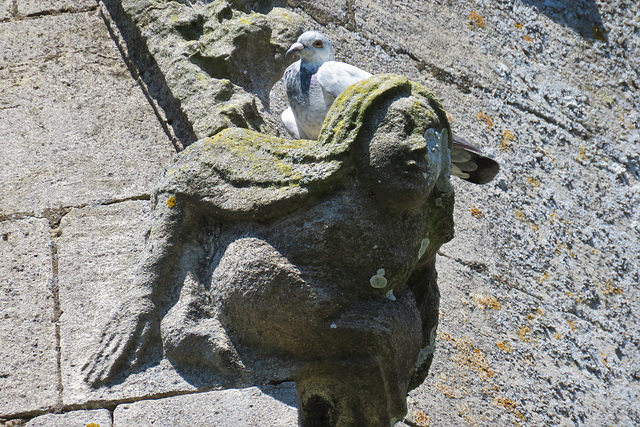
column 270, row 406
column 28, row 367
column 539, row 288
column 94, row 418
column 75, row 127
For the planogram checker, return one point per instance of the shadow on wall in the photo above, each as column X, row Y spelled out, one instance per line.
column 582, row 16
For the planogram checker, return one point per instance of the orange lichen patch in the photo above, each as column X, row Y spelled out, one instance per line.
column 527, row 38
column 484, row 301
column 563, row 246
column 472, row 358
column 507, row 138
column 506, row 403
column 572, row 325
column 530, row 317
column 422, row 419
column 450, row 392
column 475, row 19
column 518, row 25
column 544, row 277
column 171, row 202
column 534, row 182
column 475, row 212
column 93, row 425
column 444, row 336
column 523, row 333
column 483, row 117
column 464, row 411
column 557, row 335
column 609, row 288
column 509, row 405
column 504, row 346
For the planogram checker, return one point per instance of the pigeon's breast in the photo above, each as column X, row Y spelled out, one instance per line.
column 309, row 103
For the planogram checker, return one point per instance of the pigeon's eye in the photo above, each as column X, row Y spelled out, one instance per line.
column 317, row 43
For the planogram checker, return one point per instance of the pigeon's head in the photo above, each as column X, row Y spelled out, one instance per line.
column 312, row 46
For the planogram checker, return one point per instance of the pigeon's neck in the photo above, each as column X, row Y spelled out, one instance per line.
column 310, row 67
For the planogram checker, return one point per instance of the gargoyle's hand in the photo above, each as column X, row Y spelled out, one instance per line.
column 123, row 343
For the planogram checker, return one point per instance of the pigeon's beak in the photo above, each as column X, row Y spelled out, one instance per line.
column 296, row 47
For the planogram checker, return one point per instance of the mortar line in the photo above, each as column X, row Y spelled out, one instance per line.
column 57, row 312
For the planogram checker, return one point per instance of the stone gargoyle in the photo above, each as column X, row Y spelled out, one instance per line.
column 271, row 259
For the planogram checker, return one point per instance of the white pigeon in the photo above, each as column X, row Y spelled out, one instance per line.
column 316, row 80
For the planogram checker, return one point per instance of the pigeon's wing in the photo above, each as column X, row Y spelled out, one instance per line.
column 290, row 123
column 469, row 163
column 334, row 77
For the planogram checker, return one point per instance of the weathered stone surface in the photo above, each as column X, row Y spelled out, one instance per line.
column 96, row 418
column 248, row 270
column 29, row 8
column 75, row 128
column 98, row 251
column 219, row 59
column 269, row 406
column 28, row 367
column 554, row 242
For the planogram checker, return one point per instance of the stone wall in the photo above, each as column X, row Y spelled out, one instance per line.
column 539, row 308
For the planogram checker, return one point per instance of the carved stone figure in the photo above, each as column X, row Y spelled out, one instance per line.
column 272, row 259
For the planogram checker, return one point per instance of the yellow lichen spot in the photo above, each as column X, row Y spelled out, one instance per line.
column 527, row 38
column 519, row 215
column 572, row 325
column 544, row 277
column 540, row 311
column 450, row 118
column 475, row 19
column 531, row 317
column 582, row 156
column 518, row 25
column 483, row 302
column 507, row 138
column 523, row 333
column 483, row 117
column 171, row 202
column 557, row 335
column 422, row 419
column 93, row 425
column 504, row 346
column 534, row 182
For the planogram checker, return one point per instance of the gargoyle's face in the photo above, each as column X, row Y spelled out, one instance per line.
column 403, row 163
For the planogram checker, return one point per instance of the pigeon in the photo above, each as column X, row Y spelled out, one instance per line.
column 316, row 80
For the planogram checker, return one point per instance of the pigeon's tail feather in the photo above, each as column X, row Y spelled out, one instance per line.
column 470, row 164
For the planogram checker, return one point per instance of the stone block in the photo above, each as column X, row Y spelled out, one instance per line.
column 95, row 418
column 28, row 367
column 271, row 406
column 98, row 251
column 75, row 127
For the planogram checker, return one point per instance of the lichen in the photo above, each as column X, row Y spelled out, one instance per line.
column 423, row 247
column 378, row 280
